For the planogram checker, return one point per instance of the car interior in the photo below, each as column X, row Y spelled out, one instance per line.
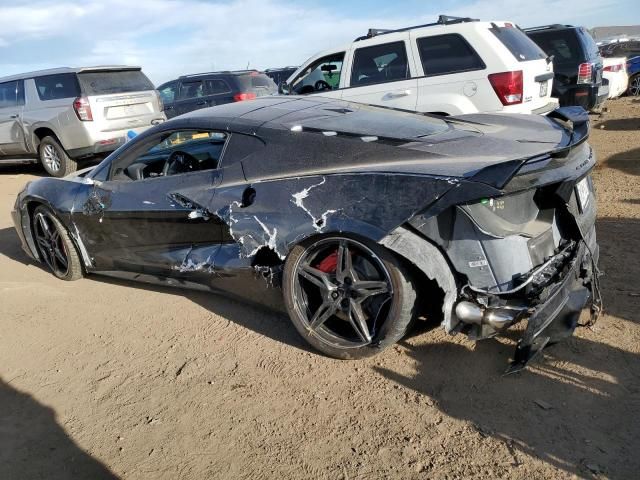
column 175, row 154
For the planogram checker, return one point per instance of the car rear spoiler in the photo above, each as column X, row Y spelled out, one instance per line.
column 578, row 118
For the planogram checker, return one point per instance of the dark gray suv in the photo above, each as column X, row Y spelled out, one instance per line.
column 202, row 90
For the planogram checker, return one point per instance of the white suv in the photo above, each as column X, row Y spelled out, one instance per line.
column 452, row 67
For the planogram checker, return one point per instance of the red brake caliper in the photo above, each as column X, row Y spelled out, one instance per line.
column 329, row 264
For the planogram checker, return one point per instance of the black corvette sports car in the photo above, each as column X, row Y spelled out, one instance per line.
column 356, row 219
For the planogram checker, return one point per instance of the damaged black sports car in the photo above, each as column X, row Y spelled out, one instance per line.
column 356, row 219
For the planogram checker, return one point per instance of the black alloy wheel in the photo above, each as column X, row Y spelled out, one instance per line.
column 348, row 299
column 55, row 246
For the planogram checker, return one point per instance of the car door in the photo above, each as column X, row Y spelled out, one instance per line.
column 151, row 212
column 169, row 94
column 323, row 76
column 382, row 74
column 12, row 141
column 191, row 96
column 218, row 92
column 452, row 77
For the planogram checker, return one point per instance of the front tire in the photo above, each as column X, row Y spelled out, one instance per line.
column 54, row 159
column 348, row 298
column 55, row 247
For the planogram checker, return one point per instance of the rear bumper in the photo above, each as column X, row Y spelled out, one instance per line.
column 557, row 317
column 104, row 142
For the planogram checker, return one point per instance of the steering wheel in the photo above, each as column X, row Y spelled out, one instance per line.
column 321, row 85
column 179, row 162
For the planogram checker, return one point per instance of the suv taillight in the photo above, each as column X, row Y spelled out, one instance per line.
column 585, row 73
column 508, row 86
column 160, row 102
column 83, row 109
column 613, row 68
column 240, row 97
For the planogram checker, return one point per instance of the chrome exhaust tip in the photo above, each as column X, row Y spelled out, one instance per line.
column 496, row 318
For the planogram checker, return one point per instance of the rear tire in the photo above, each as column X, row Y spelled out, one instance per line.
column 54, row 244
column 634, row 86
column 54, row 159
column 351, row 311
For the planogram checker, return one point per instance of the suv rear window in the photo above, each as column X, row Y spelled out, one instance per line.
column 443, row 54
column 114, row 81
column 517, row 42
column 562, row 44
column 258, row 83
column 54, row 87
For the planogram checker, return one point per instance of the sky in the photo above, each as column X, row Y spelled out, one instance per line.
column 169, row 38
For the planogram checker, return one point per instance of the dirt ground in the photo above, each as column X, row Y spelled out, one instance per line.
column 109, row 379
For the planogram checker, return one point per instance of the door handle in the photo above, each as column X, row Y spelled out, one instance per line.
column 14, row 116
column 201, row 103
column 404, row 93
column 169, row 107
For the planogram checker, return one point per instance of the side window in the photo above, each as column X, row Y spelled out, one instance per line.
column 168, row 92
column 8, row 94
column 444, row 54
column 216, row 87
column 55, row 87
column 191, row 90
column 173, row 153
column 379, row 64
column 323, row 74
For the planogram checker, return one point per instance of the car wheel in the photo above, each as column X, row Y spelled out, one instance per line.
column 348, row 298
column 54, row 245
column 634, row 85
column 54, row 159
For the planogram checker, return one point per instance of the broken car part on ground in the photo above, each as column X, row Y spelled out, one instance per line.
column 365, row 217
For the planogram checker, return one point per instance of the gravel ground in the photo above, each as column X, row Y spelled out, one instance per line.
column 110, row 379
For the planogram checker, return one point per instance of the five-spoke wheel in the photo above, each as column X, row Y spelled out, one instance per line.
column 54, row 245
column 348, row 298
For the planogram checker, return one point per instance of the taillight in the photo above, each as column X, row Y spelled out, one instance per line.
column 83, row 109
column 613, row 68
column 585, row 73
column 240, row 97
column 160, row 102
column 508, row 86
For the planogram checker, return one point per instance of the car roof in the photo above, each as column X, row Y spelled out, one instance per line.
column 55, row 71
column 315, row 114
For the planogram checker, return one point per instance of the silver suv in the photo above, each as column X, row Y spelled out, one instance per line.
column 62, row 115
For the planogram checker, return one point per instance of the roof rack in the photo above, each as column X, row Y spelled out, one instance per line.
column 547, row 27
column 442, row 20
column 228, row 72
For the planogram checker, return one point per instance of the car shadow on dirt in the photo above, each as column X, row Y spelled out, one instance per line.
column 620, row 124
column 34, row 445
column 577, row 407
column 627, row 162
column 23, row 169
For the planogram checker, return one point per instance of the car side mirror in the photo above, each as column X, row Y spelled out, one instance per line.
column 284, row 88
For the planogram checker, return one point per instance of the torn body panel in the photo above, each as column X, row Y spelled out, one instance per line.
column 497, row 210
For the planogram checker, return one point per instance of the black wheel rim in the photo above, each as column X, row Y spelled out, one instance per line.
column 342, row 292
column 50, row 244
column 634, row 88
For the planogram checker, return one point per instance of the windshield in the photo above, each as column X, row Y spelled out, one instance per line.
column 114, row 81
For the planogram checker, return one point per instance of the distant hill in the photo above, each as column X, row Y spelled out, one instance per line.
column 600, row 33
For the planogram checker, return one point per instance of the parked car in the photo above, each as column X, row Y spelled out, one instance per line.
column 576, row 62
column 279, row 75
column 60, row 116
column 201, row 90
column 363, row 210
column 453, row 66
column 629, row 48
column 615, row 71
